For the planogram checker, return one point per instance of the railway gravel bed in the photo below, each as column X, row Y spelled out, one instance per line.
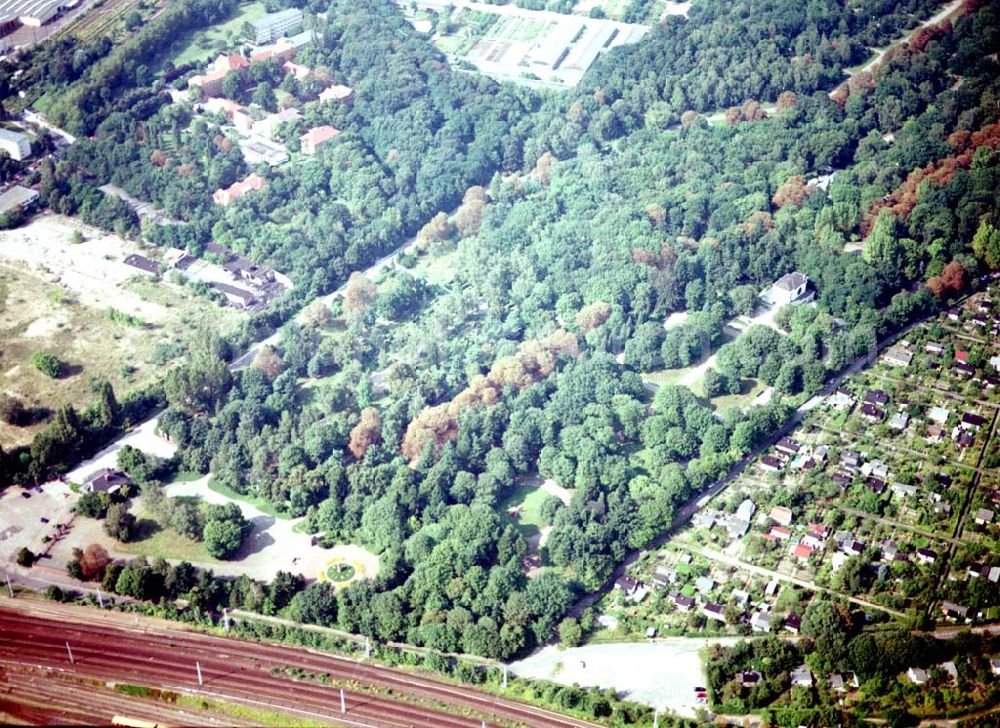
column 252, row 671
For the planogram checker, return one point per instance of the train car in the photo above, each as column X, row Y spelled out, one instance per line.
column 123, row 720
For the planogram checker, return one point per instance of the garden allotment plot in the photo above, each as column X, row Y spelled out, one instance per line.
column 531, row 46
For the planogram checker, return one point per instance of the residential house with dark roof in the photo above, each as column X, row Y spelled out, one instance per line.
column 954, row 611
column 963, row 439
column 788, row 446
column 771, row 464
column 143, row 263
column 239, row 297
column 105, row 480
column 711, row 610
column 972, row 421
column 963, row 370
column 876, row 396
column 984, row 517
column 850, row 459
column 871, row 413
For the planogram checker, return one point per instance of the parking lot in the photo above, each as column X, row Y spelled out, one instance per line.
column 22, row 525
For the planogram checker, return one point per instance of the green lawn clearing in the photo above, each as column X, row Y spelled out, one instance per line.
column 528, row 500
column 259, row 503
column 202, row 45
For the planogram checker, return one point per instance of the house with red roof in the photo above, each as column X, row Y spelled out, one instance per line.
column 238, row 189
column 315, row 138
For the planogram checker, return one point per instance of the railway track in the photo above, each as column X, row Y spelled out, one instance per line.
column 256, row 673
column 79, row 701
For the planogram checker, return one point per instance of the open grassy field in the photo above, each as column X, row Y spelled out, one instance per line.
column 55, row 297
column 751, row 388
column 204, row 44
column 518, row 29
column 528, row 500
column 165, row 542
column 438, row 269
column 666, row 377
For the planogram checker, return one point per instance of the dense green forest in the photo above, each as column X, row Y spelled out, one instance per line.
column 585, row 219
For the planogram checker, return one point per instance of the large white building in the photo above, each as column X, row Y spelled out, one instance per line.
column 30, row 12
column 789, row 288
column 16, row 144
column 274, row 25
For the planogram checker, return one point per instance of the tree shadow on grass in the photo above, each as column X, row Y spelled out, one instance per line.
column 69, row 370
column 146, row 528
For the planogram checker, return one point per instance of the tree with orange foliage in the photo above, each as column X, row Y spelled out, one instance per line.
column 950, row 282
column 688, row 118
column 752, row 111
column 269, row 362
column 657, row 214
column 543, row 168
column 469, row 216
column 359, row 293
column 366, row 433
column 436, row 230
column 793, row 191
column 93, row 561
column 534, row 361
column 593, row 315
column 786, row 100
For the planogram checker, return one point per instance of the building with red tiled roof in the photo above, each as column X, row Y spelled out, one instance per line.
column 339, row 93
column 211, row 82
column 312, row 140
column 802, row 552
column 238, row 189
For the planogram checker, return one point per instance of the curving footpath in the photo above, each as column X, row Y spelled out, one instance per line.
column 111, row 646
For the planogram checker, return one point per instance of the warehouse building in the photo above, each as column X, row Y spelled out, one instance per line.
column 16, row 144
column 17, row 198
column 551, row 49
column 29, row 12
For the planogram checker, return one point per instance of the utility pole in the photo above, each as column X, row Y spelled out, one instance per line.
column 343, row 702
column 225, row 619
column 504, row 686
column 368, row 648
column 71, row 660
column 10, row 589
column 198, row 667
column 100, row 599
column 656, row 718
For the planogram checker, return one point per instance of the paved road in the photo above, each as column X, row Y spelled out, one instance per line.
column 111, row 646
column 31, row 116
column 385, row 262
